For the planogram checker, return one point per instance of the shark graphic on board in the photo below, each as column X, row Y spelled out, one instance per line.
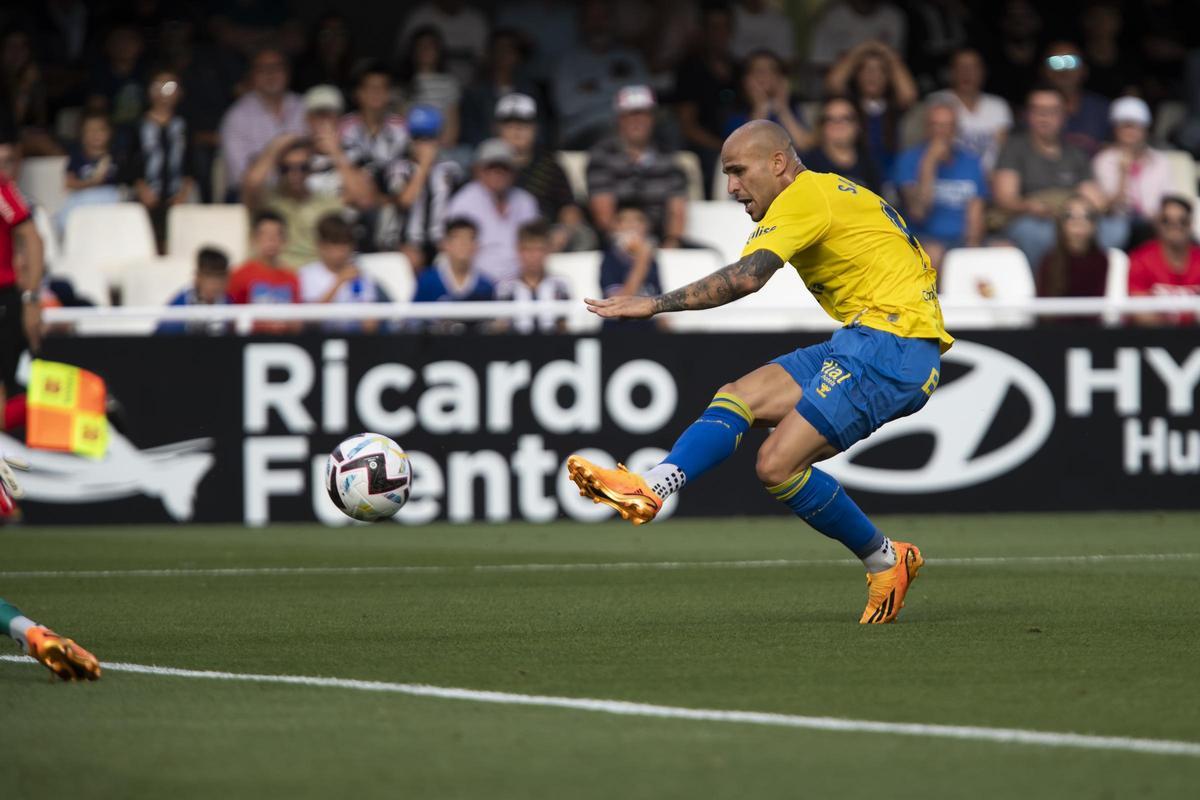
column 171, row 473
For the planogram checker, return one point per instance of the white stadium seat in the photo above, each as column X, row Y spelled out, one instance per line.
column 975, row 275
column 105, row 239
column 43, row 181
column 45, row 229
column 689, row 163
column 156, row 280
column 722, row 225
column 574, row 163
column 1183, row 181
column 581, row 271
column 393, row 273
column 192, row 226
column 1116, row 283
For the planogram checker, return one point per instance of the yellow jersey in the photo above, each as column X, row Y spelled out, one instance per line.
column 855, row 254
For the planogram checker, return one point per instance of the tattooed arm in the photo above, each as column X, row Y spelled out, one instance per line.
column 743, row 277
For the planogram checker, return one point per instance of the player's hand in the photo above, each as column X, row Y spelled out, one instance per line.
column 622, row 307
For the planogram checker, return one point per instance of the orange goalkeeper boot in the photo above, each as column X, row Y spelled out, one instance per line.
column 61, row 655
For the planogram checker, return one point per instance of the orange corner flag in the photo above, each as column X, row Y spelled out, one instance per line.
column 66, row 410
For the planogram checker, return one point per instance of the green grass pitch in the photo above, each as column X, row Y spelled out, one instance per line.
column 1107, row 647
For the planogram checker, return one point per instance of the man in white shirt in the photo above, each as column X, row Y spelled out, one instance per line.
column 983, row 119
column 497, row 207
column 259, row 116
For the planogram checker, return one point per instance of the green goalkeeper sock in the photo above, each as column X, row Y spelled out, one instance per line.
column 14, row 623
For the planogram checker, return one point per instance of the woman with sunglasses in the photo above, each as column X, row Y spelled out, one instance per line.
column 839, row 146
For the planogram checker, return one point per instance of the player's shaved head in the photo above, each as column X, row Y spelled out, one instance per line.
column 762, row 138
column 761, row 162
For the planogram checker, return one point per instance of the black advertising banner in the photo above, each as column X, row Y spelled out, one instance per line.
column 237, row 430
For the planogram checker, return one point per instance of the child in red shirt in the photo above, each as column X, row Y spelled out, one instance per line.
column 262, row 279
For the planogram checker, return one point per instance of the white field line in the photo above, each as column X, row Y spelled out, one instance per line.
column 623, row 708
column 437, row 569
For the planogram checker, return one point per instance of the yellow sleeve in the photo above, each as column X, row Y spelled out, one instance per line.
column 788, row 231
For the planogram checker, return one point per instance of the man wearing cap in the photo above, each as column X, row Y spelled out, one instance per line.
column 497, row 206
column 539, row 173
column 260, row 115
column 1133, row 175
column 629, row 169
column 331, row 172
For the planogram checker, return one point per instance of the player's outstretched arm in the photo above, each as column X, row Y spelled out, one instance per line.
column 745, row 276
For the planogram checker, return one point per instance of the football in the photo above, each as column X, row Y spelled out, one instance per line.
column 368, row 477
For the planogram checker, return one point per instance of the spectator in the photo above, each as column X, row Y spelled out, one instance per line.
column 839, row 146
column 547, row 27
column 766, row 94
column 334, row 277
column 24, row 89
column 629, row 266
column 373, row 138
column 115, row 83
column 211, row 288
column 1037, row 171
column 983, row 119
column 160, row 164
column 629, row 169
column 264, row 279
column 497, row 207
column 421, row 185
column 1113, row 69
column 759, row 25
column 1133, row 176
column 1076, row 266
column 261, row 115
column 290, row 157
column 1168, row 265
column 539, row 173
column 938, row 30
column 426, row 81
column 1014, row 50
column 463, row 29
column 501, row 75
column 532, row 284
column 943, row 187
column 1188, row 133
column 706, row 87
column 331, row 172
column 94, row 175
column 876, row 80
column 455, row 272
column 1087, row 112
column 586, row 79
column 847, row 24
column 329, row 56
column 209, row 72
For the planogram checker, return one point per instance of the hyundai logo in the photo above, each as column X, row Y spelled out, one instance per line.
column 958, row 416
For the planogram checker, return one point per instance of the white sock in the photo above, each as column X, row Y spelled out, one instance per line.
column 17, row 628
column 665, row 479
column 882, row 559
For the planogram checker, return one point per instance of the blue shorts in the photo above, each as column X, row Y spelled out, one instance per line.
column 860, row 379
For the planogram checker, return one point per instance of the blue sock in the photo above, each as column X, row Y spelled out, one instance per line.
column 818, row 499
column 707, row 442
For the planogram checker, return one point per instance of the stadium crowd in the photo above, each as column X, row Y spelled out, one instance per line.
column 1040, row 127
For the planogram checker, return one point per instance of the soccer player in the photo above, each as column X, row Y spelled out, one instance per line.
column 59, row 654
column 859, row 260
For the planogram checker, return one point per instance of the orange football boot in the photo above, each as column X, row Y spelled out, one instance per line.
column 886, row 590
column 625, row 491
column 61, row 655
